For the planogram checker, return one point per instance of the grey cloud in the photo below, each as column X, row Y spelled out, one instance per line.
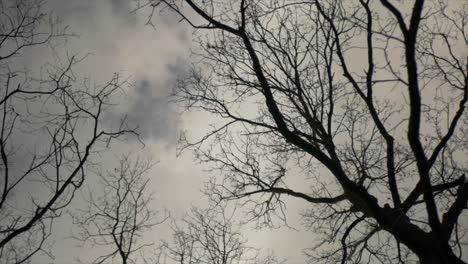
column 152, row 113
column 123, row 10
column 120, row 6
column 150, row 108
column 178, row 70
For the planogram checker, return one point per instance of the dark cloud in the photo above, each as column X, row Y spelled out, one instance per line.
column 150, row 108
column 178, row 70
column 152, row 113
column 120, row 7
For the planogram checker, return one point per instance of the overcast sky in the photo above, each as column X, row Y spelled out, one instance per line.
column 117, row 40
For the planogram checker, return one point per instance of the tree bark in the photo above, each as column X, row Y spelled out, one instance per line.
column 437, row 253
column 438, row 256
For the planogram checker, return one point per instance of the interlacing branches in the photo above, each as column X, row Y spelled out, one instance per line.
column 361, row 102
column 118, row 217
column 51, row 124
column 213, row 236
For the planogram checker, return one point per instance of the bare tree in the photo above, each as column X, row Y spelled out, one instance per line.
column 50, row 126
column 365, row 99
column 120, row 214
column 212, row 236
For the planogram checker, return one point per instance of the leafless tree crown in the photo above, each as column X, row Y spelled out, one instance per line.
column 51, row 123
column 213, row 236
column 118, row 214
column 362, row 102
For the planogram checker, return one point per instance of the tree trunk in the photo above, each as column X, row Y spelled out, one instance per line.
column 438, row 255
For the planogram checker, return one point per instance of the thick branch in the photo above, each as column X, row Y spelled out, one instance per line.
column 450, row 218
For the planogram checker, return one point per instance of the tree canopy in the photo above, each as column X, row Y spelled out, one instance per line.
column 364, row 101
column 355, row 108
